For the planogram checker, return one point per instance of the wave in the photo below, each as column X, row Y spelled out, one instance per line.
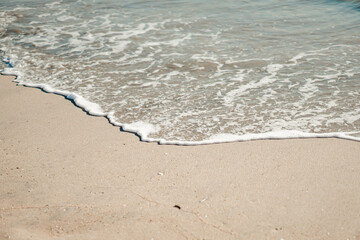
column 179, row 77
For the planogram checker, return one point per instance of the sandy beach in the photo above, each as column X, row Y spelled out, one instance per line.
column 67, row 175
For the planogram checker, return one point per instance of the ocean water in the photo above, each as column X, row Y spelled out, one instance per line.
column 194, row 71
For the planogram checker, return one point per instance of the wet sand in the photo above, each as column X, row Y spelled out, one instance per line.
column 67, row 175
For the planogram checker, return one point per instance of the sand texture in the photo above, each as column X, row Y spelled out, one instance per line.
column 67, row 175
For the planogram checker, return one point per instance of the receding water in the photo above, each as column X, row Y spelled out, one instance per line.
column 193, row 72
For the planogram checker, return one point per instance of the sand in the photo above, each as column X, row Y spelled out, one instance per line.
column 67, row 175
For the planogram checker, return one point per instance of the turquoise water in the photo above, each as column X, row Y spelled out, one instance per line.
column 192, row 72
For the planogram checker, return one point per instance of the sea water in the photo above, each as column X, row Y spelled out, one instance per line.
column 194, row 71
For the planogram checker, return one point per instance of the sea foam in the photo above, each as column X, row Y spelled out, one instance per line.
column 185, row 74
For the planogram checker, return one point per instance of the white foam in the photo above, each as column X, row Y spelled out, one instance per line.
column 298, row 57
column 243, row 89
column 230, row 96
column 281, row 134
column 66, row 18
column 142, row 28
column 173, row 42
column 143, row 129
column 274, row 68
column 44, row 15
column 350, row 117
column 309, row 89
column 89, row 107
column 52, row 5
column 169, row 80
column 120, row 46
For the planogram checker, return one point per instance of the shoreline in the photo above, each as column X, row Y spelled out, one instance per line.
column 93, row 109
column 67, row 175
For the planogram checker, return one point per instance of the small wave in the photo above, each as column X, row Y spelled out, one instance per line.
column 197, row 76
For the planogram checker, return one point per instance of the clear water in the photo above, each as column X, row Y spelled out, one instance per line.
column 194, row 71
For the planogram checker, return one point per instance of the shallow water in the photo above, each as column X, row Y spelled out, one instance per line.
column 192, row 72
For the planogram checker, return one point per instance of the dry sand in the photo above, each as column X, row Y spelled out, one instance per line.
column 67, row 175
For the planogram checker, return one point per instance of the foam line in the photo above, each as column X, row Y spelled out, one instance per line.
column 89, row 107
column 143, row 129
column 129, row 67
column 275, row 135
